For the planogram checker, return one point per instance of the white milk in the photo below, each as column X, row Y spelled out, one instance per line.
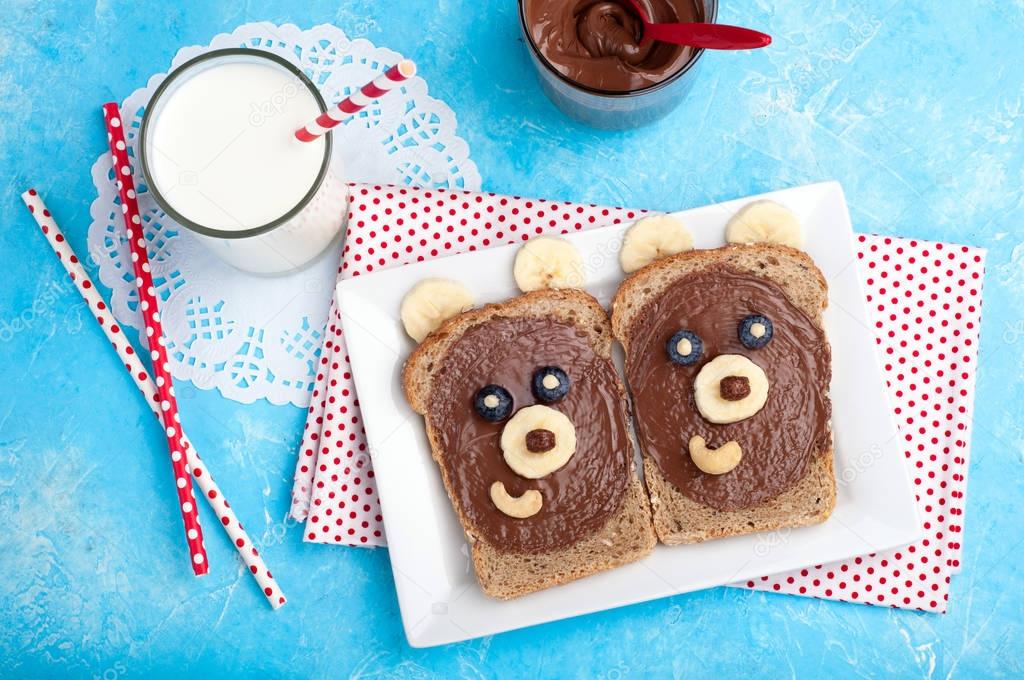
column 221, row 152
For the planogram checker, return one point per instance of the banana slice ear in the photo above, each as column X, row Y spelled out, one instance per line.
column 430, row 303
column 548, row 262
column 765, row 222
column 652, row 238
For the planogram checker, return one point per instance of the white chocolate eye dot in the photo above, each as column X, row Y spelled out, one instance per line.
column 684, row 347
column 491, row 401
column 758, row 330
column 550, row 381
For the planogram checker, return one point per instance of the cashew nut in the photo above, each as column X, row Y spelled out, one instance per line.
column 712, row 461
column 522, row 507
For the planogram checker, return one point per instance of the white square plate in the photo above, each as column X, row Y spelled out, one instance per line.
column 437, row 591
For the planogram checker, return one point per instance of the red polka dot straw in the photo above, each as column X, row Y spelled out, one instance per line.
column 133, row 364
column 151, row 315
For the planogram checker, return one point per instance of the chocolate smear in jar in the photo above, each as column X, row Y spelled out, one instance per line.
column 596, row 43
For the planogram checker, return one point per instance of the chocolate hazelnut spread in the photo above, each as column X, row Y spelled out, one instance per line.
column 596, row 43
column 579, row 497
column 778, row 441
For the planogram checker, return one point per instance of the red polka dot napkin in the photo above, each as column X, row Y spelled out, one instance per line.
column 925, row 301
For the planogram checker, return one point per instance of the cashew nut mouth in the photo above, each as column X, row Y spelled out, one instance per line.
column 715, row 461
column 551, row 435
column 518, row 507
column 730, row 388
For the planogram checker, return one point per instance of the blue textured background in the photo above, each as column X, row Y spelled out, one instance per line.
column 915, row 106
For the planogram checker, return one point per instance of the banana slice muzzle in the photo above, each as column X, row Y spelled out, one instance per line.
column 730, row 388
column 530, row 425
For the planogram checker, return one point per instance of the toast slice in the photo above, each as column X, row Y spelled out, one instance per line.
column 678, row 517
column 624, row 536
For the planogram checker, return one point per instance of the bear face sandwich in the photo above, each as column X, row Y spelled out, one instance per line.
column 527, row 421
column 728, row 370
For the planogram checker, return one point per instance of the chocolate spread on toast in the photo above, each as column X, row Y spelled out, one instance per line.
column 778, row 441
column 580, row 497
column 597, row 43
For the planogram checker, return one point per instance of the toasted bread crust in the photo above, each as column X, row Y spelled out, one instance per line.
column 760, row 259
column 626, row 537
column 677, row 518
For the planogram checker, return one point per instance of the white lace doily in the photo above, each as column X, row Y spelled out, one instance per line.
column 257, row 337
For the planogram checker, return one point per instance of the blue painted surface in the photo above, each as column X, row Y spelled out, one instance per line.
column 916, row 107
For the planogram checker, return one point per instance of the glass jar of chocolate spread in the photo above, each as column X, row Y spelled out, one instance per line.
column 593, row 66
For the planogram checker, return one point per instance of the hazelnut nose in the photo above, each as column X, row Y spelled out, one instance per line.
column 734, row 387
column 539, row 441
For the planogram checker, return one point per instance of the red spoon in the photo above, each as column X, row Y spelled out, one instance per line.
column 703, row 35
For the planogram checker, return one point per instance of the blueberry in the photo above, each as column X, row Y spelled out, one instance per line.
column 550, row 383
column 755, row 331
column 684, row 355
column 493, row 403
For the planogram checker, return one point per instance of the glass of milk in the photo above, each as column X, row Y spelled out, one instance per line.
column 220, row 156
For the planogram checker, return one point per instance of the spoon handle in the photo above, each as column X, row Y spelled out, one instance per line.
column 707, row 36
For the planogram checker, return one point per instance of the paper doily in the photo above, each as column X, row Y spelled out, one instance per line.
column 255, row 337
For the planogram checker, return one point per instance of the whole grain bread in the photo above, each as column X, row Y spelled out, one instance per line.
column 677, row 518
column 626, row 537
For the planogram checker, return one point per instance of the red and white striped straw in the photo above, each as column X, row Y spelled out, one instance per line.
column 133, row 364
column 154, row 331
column 375, row 89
